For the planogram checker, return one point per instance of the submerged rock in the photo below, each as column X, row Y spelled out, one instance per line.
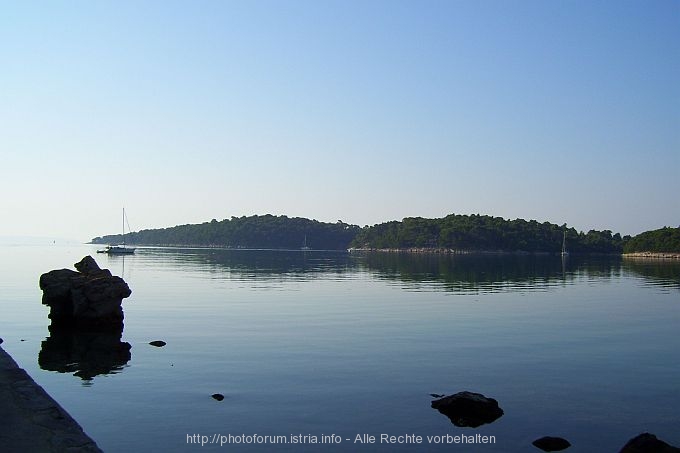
column 648, row 443
column 549, row 443
column 218, row 396
column 90, row 298
column 468, row 409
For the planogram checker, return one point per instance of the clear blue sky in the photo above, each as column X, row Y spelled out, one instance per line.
column 364, row 111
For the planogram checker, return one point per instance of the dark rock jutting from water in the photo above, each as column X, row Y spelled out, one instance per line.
column 87, row 321
column 648, row 443
column 468, row 409
column 549, row 443
column 90, row 298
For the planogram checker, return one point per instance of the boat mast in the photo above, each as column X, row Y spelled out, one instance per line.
column 123, row 226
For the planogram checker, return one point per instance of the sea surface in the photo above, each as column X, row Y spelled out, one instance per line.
column 337, row 347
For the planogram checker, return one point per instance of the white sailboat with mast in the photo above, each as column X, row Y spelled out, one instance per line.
column 120, row 249
column 564, row 244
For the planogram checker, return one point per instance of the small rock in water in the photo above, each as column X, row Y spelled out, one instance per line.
column 158, row 343
column 437, row 395
column 549, row 443
column 0, row 340
column 468, row 409
column 218, row 396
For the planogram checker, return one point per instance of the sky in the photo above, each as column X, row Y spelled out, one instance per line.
column 361, row 111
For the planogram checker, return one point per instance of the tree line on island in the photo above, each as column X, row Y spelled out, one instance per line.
column 485, row 233
column 663, row 240
column 258, row 231
column 460, row 233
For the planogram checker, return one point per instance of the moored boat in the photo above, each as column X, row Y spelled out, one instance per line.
column 117, row 250
column 120, row 249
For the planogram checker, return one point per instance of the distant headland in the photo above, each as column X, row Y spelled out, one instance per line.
column 451, row 234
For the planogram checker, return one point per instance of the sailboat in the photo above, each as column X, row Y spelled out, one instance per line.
column 304, row 244
column 564, row 244
column 120, row 249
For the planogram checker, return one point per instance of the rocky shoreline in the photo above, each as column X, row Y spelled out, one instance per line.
column 31, row 420
column 445, row 251
column 653, row 255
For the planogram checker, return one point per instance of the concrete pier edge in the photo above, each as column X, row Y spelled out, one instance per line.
column 31, row 420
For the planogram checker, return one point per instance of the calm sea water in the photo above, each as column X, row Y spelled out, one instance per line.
column 319, row 343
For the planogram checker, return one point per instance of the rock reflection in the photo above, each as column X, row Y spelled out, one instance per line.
column 86, row 354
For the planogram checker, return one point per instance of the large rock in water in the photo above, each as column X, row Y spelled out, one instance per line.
column 468, row 409
column 90, row 298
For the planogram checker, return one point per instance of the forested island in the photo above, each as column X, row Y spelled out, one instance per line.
column 663, row 240
column 453, row 233
column 265, row 231
column 466, row 233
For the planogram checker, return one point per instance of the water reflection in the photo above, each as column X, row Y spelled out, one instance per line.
column 252, row 264
column 473, row 273
column 86, row 354
column 488, row 273
column 661, row 273
column 497, row 273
